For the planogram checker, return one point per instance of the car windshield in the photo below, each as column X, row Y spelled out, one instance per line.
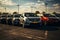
column 3, row 16
column 31, row 15
column 17, row 15
column 58, row 15
column 49, row 15
column 10, row 16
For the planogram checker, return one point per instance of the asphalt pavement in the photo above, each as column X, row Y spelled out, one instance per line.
column 10, row 32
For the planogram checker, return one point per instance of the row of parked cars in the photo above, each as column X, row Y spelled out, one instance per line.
column 26, row 19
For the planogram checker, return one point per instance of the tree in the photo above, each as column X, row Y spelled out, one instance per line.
column 43, row 12
column 54, row 12
column 15, row 12
column 37, row 12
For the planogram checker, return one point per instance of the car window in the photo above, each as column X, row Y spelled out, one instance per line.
column 17, row 15
column 49, row 15
column 31, row 15
column 58, row 15
column 3, row 16
column 10, row 15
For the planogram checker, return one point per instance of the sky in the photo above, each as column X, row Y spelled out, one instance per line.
column 30, row 6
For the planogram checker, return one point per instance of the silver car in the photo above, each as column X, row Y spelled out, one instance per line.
column 30, row 18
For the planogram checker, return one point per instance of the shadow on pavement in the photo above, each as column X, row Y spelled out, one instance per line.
column 48, row 28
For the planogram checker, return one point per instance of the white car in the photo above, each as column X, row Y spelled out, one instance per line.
column 30, row 18
column 16, row 19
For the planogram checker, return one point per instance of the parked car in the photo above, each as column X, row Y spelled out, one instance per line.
column 58, row 17
column 9, row 19
column 52, row 19
column 3, row 18
column 30, row 18
column 16, row 19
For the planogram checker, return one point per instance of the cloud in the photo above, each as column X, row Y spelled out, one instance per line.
column 7, row 2
column 30, row 7
column 33, row 6
column 1, row 9
column 56, row 6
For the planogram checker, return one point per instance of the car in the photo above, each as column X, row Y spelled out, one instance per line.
column 28, row 19
column 52, row 19
column 58, row 17
column 9, row 19
column 16, row 19
column 3, row 19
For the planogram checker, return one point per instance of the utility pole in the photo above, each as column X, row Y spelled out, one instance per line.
column 38, row 3
column 31, row 8
column 46, row 6
column 18, row 5
column 5, row 9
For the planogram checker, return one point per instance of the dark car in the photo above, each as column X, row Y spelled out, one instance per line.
column 58, row 17
column 52, row 19
column 3, row 19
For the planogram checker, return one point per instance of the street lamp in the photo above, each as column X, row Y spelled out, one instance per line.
column 18, row 5
column 5, row 9
column 46, row 6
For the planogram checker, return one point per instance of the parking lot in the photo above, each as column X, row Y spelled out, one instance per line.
column 10, row 32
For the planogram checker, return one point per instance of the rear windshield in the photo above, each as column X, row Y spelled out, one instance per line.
column 31, row 15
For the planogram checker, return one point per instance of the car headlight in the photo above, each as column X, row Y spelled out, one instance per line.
column 13, row 18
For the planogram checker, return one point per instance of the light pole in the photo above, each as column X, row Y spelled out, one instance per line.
column 31, row 8
column 18, row 5
column 46, row 6
column 5, row 9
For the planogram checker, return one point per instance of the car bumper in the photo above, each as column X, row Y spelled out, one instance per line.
column 33, row 23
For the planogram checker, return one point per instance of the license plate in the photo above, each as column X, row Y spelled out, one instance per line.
column 34, row 22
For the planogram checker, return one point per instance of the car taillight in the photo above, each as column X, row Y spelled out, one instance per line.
column 44, row 18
